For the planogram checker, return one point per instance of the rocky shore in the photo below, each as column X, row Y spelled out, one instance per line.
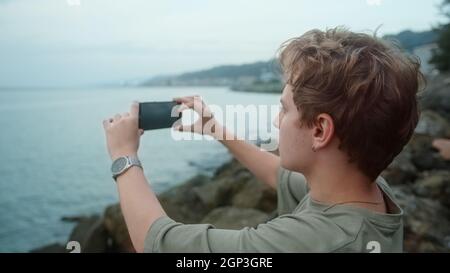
column 233, row 198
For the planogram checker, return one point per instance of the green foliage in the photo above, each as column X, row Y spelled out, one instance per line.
column 441, row 56
column 274, row 86
column 232, row 71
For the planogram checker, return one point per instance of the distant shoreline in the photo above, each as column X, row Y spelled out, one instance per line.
column 259, row 87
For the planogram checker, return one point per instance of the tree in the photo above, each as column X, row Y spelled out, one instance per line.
column 441, row 56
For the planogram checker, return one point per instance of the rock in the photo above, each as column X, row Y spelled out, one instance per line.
column 257, row 195
column 235, row 218
column 417, row 156
column 226, row 168
column 432, row 124
column 91, row 234
column 424, row 156
column 225, row 183
column 401, row 170
column 236, row 186
column 217, row 193
column 183, row 203
column 117, row 230
column 52, row 248
column 73, row 219
column 426, row 222
column 434, row 185
column 232, row 168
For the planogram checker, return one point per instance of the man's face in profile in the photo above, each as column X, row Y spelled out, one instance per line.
column 295, row 139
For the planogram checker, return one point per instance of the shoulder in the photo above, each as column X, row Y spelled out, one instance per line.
column 385, row 186
column 291, row 189
column 392, row 201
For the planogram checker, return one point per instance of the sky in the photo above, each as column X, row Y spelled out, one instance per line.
column 51, row 43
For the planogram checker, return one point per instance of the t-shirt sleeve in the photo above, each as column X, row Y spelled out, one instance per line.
column 291, row 188
column 283, row 234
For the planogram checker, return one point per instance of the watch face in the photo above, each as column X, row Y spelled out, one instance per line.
column 118, row 165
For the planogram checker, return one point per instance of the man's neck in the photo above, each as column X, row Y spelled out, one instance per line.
column 333, row 184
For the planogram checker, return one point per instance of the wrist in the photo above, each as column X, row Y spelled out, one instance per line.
column 117, row 155
column 130, row 172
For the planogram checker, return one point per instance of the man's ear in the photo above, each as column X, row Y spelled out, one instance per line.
column 323, row 131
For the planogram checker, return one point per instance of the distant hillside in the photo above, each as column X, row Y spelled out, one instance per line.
column 411, row 40
column 232, row 71
column 264, row 76
column 225, row 75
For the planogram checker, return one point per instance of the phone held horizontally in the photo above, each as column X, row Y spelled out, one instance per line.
column 158, row 114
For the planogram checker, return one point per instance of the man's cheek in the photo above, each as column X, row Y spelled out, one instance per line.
column 284, row 141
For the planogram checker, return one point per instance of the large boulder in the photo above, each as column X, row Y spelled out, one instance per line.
column 401, row 170
column 417, row 156
column 426, row 222
column 257, row 195
column 221, row 190
column 117, row 230
column 183, row 203
column 91, row 234
column 434, row 185
column 236, row 186
column 235, row 218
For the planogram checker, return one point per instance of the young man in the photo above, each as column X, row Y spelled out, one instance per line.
column 348, row 108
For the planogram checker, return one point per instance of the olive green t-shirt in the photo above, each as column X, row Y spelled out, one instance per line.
column 303, row 225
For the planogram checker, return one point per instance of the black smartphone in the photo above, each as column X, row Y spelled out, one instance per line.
column 158, row 114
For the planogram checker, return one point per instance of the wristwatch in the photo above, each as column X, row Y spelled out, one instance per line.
column 122, row 164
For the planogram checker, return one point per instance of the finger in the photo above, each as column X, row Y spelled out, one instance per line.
column 126, row 114
column 134, row 111
column 182, row 107
column 437, row 143
column 181, row 99
column 117, row 117
column 184, row 99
